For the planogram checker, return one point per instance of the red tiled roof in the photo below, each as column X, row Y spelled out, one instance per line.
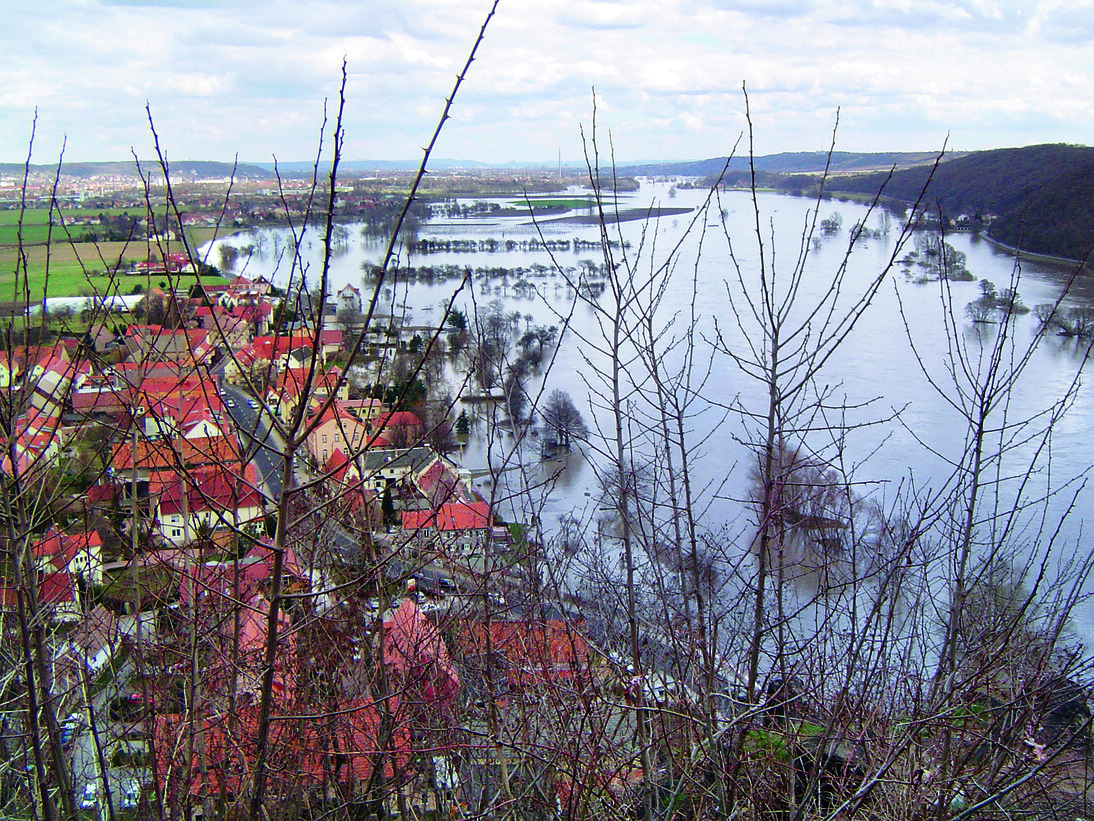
column 64, row 546
column 298, row 750
column 414, row 648
column 336, row 467
column 152, row 386
column 293, row 381
column 185, row 408
column 441, row 484
column 271, row 347
column 451, row 516
column 53, row 588
column 102, row 494
column 56, row 588
column 177, row 453
column 395, row 429
column 260, row 561
column 333, row 412
column 397, row 419
column 208, row 489
column 537, row 653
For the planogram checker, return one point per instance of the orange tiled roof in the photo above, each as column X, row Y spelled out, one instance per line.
column 451, row 516
column 177, row 453
column 64, row 546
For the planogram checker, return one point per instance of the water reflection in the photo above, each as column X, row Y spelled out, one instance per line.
column 877, row 366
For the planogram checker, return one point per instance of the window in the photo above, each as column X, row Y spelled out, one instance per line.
column 324, row 440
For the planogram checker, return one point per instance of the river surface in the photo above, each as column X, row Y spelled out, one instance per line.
column 876, row 375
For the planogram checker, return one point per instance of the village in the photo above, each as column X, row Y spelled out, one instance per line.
column 154, row 463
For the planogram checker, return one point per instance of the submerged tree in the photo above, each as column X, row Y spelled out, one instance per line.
column 563, row 419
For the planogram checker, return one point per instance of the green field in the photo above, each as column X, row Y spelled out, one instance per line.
column 77, row 269
column 36, row 224
column 555, row 202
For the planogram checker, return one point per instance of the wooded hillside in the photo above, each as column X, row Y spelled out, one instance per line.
column 1043, row 195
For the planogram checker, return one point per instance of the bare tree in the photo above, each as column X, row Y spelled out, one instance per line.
column 563, row 419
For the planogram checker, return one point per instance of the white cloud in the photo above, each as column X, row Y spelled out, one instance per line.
column 668, row 74
column 197, row 84
column 601, row 14
column 1067, row 21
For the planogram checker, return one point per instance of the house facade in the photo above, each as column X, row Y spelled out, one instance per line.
column 349, row 300
column 336, row 430
column 205, row 502
column 79, row 554
column 455, row 528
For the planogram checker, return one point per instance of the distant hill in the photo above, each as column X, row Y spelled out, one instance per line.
column 787, row 163
column 796, row 162
column 181, row 170
column 365, row 166
column 1042, row 195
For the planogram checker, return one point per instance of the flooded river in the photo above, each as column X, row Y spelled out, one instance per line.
column 891, row 417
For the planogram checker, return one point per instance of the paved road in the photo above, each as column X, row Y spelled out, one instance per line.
column 266, row 449
column 263, row 446
column 124, row 777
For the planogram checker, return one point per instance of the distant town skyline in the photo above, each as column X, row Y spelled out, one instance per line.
column 226, row 78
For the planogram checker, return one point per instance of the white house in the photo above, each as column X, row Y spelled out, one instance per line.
column 80, row 554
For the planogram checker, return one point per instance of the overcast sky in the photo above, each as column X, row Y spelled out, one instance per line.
column 250, row 77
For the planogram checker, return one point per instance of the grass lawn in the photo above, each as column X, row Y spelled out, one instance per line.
column 36, row 224
column 145, row 582
column 81, row 269
column 555, row 202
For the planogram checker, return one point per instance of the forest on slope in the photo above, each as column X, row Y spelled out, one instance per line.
column 1042, row 196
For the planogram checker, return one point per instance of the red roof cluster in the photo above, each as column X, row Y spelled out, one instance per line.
column 538, row 654
column 310, row 745
column 176, row 454
column 208, row 489
column 415, row 650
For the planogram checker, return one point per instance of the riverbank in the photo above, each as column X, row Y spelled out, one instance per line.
column 625, row 215
column 1031, row 257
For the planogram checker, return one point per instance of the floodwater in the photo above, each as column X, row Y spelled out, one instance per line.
column 885, row 408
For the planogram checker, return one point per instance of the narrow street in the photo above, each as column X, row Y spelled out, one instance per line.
column 257, row 436
column 264, row 446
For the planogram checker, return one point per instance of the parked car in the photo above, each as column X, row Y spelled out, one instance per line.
column 662, row 690
column 89, row 798
column 129, row 794
column 71, row 727
column 126, row 795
